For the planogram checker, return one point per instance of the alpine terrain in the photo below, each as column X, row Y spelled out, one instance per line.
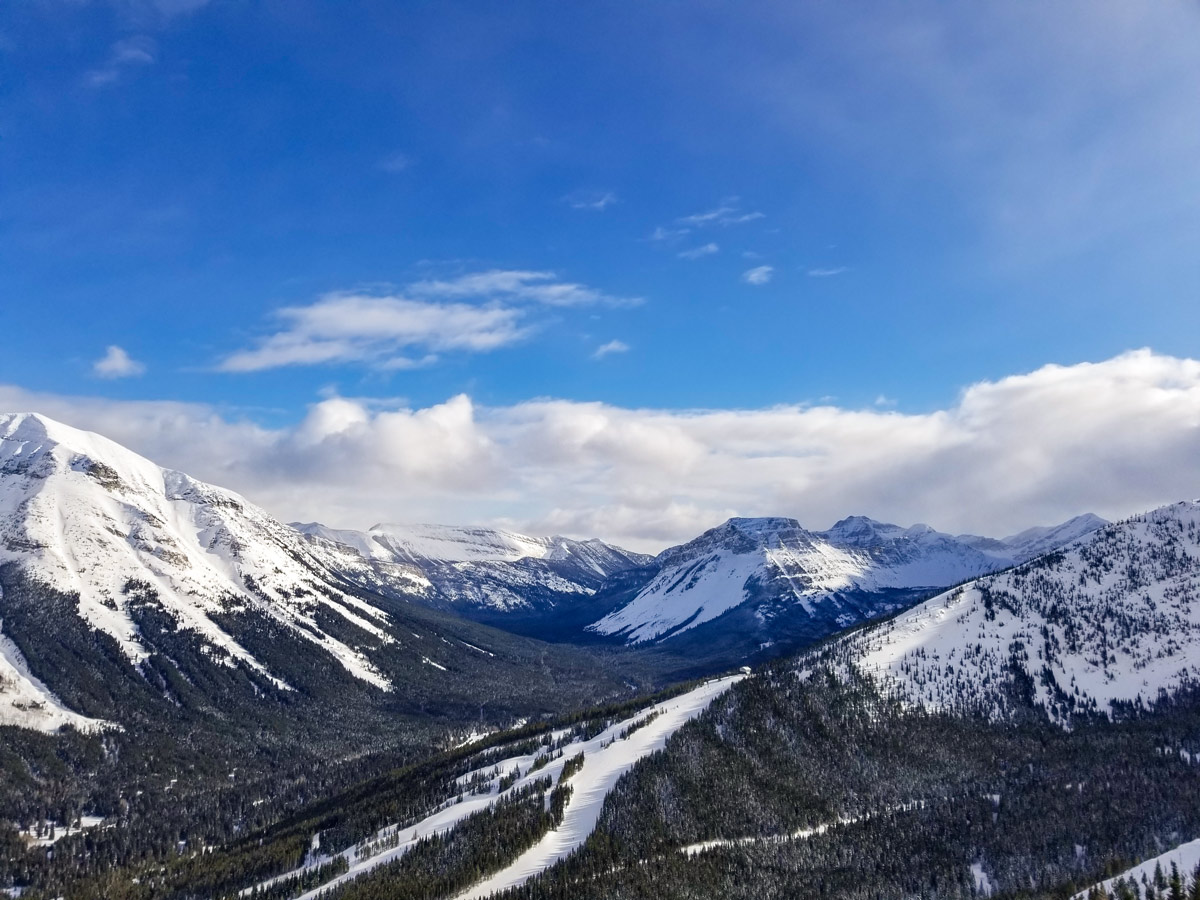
column 198, row 700
column 531, row 585
column 762, row 586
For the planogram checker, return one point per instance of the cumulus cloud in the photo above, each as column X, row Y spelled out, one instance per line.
column 116, row 363
column 610, row 348
column 696, row 252
column 1114, row 437
column 758, row 275
column 475, row 312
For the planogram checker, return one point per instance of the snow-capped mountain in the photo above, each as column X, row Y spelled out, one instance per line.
column 818, row 581
column 486, row 574
column 84, row 515
column 1113, row 618
column 119, row 578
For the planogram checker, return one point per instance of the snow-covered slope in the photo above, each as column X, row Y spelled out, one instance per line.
column 1140, row 881
column 471, row 569
column 814, row 573
column 88, row 517
column 1111, row 619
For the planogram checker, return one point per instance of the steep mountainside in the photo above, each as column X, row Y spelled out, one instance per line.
column 89, row 517
column 1112, row 619
column 770, row 580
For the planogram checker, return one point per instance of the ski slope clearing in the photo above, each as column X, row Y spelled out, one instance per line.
column 53, row 832
column 606, row 757
column 605, row 760
column 1186, row 857
column 797, row 835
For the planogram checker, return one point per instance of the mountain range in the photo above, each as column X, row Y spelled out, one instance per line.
column 152, row 557
column 175, row 661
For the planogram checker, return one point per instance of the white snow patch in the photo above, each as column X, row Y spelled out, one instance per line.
column 1058, row 614
column 86, row 823
column 86, row 516
column 1185, row 856
column 983, row 884
column 27, row 702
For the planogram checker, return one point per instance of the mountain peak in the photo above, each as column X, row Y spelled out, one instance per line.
column 32, row 426
column 765, row 526
column 859, row 531
column 81, row 514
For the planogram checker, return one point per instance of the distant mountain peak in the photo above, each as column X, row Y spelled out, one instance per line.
column 478, row 571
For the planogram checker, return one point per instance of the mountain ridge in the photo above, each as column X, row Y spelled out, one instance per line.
column 781, row 568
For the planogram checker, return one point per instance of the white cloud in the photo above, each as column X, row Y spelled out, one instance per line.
column 826, row 273
column 515, row 284
column 662, row 235
column 727, row 213
column 1062, row 126
column 610, row 348
column 132, row 52
column 697, row 252
column 429, row 316
column 342, row 328
column 116, row 363
column 1113, row 437
column 396, row 163
column 758, row 275
column 595, row 201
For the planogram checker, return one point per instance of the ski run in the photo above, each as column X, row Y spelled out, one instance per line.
column 606, row 757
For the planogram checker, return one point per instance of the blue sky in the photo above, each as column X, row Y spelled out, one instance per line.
column 251, row 211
